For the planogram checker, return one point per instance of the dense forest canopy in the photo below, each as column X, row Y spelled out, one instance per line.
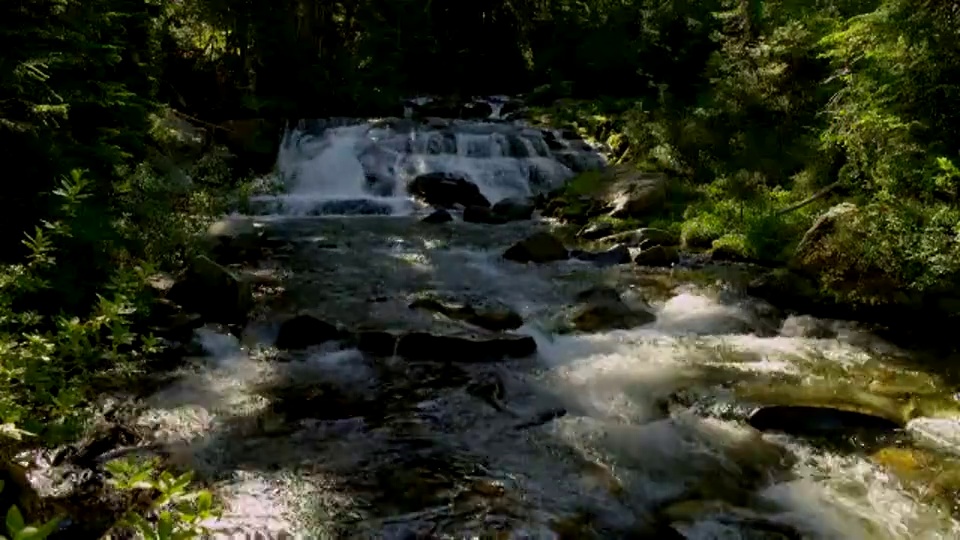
column 753, row 106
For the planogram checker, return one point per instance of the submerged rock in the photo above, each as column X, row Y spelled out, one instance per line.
column 495, row 317
column 750, row 523
column 541, row 247
column 504, row 211
column 460, row 346
column 322, row 401
column 446, row 190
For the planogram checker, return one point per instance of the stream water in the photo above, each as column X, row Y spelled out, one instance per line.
column 334, row 443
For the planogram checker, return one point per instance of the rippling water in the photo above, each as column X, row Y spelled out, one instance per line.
column 654, row 433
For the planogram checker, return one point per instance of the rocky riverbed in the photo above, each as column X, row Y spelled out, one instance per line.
column 456, row 366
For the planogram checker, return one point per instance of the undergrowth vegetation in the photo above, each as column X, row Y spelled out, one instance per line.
column 764, row 113
column 800, row 106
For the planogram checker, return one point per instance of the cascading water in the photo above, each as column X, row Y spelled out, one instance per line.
column 353, row 166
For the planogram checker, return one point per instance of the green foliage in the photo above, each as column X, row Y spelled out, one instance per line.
column 18, row 528
column 800, row 96
column 52, row 360
column 177, row 509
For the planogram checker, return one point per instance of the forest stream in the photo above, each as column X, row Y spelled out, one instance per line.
column 713, row 416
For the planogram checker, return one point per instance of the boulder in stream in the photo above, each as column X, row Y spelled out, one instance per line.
column 454, row 346
column 603, row 309
column 304, row 330
column 487, row 315
column 658, row 256
column 514, row 209
column 212, row 291
column 234, row 239
column 438, row 216
column 819, row 420
column 541, row 247
column 446, row 190
column 483, row 214
column 323, row 401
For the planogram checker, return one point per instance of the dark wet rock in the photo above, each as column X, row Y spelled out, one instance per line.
column 645, row 238
column 70, row 482
column 577, row 161
column 502, row 212
column 436, row 122
column 552, row 141
column 458, row 346
column 476, row 109
column 541, row 247
column 402, row 125
column 483, row 214
column 490, row 316
column 234, row 239
column 438, row 216
column 212, row 339
column 212, row 291
column 514, row 209
column 610, row 257
column 322, row 401
column 602, row 308
column 818, row 420
column 491, row 390
column 100, row 441
column 446, row 190
column 169, row 321
column 596, row 230
column 304, row 330
column 658, row 256
column 807, row 326
column 789, row 290
column 439, row 108
column 747, row 521
column 542, row 418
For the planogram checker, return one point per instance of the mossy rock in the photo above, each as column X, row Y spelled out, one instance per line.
column 213, row 291
column 838, row 397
